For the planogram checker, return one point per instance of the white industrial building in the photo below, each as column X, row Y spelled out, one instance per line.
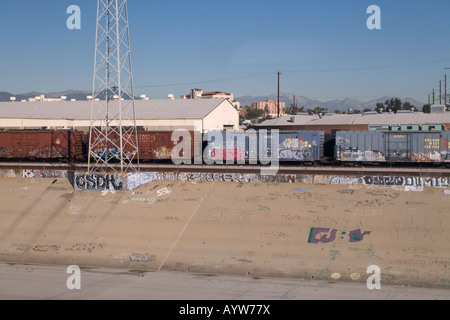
column 197, row 114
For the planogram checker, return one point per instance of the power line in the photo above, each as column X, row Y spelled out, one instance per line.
column 255, row 75
column 368, row 68
column 206, row 81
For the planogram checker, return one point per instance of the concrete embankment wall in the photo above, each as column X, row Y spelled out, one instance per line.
column 301, row 230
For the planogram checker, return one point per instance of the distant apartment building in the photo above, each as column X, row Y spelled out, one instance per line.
column 199, row 94
column 270, row 107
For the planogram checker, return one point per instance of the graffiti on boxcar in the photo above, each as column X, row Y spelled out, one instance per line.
column 324, row 235
column 5, row 152
column 426, row 157
column 297, row 149
column 111, row 153
column 354, row 154
column 228, row 154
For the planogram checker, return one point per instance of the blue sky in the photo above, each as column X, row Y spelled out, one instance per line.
column 322, row 47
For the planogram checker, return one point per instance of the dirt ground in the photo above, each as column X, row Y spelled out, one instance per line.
column 297, row 231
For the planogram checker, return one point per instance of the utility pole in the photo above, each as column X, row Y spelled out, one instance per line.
column 446, row 86
column 445, row 90
column 113, row 140
column 433, row 97
column 278, row 95
column 440, row 92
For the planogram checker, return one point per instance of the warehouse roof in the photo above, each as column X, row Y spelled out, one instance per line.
column 81, row 110
column 371, row 118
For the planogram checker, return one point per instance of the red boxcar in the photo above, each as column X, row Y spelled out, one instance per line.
column 41, row 144
column 153, row 145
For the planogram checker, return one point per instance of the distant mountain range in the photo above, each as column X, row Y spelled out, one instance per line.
column 70, row 94
column 343, row 105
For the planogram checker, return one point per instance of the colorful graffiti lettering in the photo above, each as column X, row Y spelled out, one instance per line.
column 324, row 235
column 110, row 153
column 228, row 154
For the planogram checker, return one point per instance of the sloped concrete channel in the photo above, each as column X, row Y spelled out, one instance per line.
column 308, row 229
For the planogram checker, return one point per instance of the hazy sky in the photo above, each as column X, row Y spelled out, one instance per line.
column 323, row 47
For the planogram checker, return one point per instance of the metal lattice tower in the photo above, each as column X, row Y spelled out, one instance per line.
column 113, row 143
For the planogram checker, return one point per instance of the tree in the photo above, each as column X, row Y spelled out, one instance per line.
column 317, row 110
column 380, row 107
column 426, row 108
column 394, row 104
column 253, row 113
column 407, row 106
column 294, row 110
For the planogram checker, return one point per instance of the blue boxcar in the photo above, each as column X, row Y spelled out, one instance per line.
column 392, row 146
column 293, row 146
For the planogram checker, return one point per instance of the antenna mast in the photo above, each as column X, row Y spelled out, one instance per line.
column 113, row 143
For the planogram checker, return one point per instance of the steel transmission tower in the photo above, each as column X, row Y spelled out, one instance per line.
column 113, row 143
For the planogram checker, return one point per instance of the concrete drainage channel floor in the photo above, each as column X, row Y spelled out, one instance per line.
column 289, row 231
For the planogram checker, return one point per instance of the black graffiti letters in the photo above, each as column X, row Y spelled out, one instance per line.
column 384, row 181
column 98, row 182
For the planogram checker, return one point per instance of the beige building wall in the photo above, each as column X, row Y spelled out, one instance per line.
column 224, row 117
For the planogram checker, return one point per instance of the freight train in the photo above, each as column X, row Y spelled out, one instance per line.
column 294, row 147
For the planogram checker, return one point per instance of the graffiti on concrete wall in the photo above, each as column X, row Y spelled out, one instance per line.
column 43, row 174
column 407, row 181
column 383, row 181
column 390, row 181
column 236, row 177
column 344, row 180
column 325, row 235
column 97, row 182
column 136, row 180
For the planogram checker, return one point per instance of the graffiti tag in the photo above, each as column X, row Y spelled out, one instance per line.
column 97, row 182
column 324, row 235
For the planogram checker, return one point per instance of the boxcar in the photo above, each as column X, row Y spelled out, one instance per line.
column 153, row 145
column 292, row 146
column 45, row 144
column 392, row 146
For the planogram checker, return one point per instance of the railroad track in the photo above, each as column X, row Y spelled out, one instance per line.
column 249, row 169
